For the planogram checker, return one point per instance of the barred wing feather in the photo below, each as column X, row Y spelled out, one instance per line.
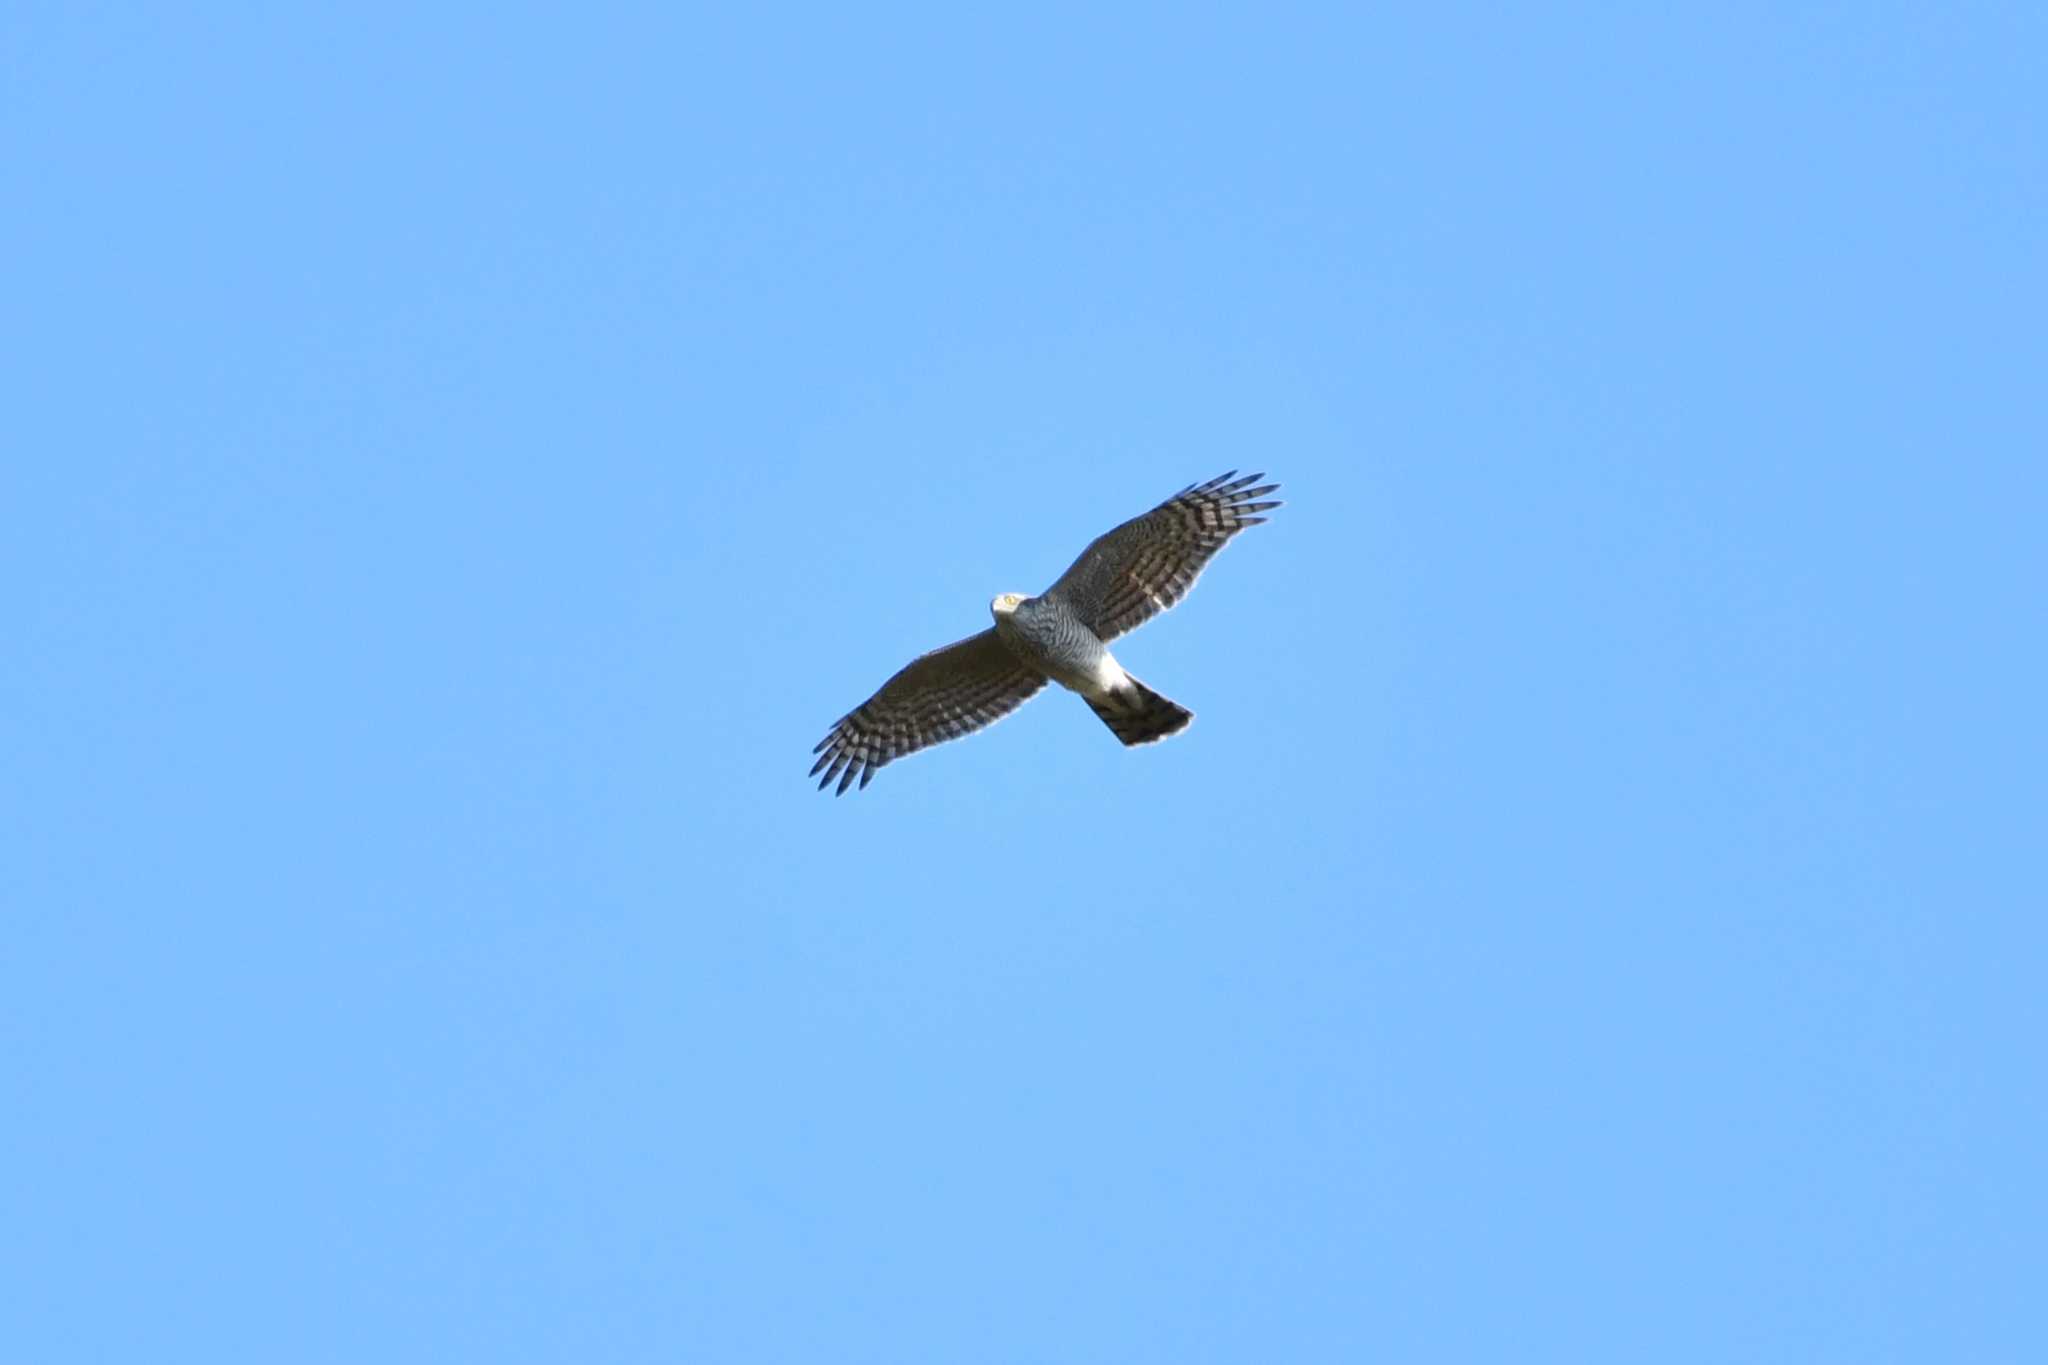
column 942, row 695
column 1149, row 563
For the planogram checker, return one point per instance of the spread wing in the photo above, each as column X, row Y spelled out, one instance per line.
column 1144, row 566
column 942, row 695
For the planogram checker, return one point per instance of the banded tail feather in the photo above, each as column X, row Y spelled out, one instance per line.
column 1136, row 714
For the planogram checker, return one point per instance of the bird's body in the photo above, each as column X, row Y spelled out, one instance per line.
column 1120, row 581
column 1049, row 635
column 1046, row 633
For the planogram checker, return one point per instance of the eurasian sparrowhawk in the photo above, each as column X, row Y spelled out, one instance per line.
column 1120, row 582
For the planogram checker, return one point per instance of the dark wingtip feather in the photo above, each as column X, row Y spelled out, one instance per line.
column 840, row 758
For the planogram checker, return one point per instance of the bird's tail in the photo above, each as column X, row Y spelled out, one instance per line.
column 1136, row 714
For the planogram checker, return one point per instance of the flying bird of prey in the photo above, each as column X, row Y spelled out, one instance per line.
column 1120, row 582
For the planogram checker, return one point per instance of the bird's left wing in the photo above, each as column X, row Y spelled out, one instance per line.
column 1144, row 566
column 942, row 695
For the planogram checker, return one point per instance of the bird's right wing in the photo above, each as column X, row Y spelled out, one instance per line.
column 942, row 695
column 1144, row 566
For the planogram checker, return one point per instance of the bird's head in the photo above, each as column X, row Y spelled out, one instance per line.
column 1005, row 604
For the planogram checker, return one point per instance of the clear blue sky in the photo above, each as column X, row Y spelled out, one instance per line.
column 456, row 464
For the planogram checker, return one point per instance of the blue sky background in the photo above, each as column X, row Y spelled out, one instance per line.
column 458, row 463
